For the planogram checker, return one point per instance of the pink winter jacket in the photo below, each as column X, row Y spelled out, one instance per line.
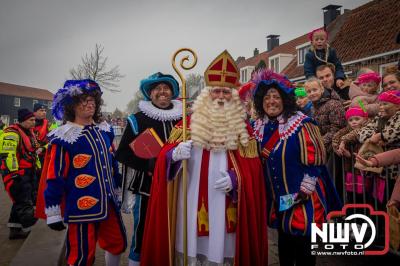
column 370, row 101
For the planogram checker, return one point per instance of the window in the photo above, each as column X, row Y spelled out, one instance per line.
column 17, row 102
column 301, row 52
column 49, row 104
column 301, row 55
column 15, row 120
column 34, row 102
column 274, row 63
column 244, row 75
column 384, row 66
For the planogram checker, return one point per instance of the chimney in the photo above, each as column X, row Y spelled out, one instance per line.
column 255, row 52
column 331, row 12
column 272, row 42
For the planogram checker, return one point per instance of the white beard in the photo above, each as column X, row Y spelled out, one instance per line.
column 218, row 127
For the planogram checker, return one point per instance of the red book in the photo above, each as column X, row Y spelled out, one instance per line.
column 147, row 145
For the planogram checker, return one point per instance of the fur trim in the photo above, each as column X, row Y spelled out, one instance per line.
column 160, row 114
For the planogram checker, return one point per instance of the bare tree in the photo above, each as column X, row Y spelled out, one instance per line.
column 94, row 66
column 194, row 83
column 133, row 105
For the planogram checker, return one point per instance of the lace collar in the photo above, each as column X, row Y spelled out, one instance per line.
column 160, row 114
column 285, row 129
column 70, row 132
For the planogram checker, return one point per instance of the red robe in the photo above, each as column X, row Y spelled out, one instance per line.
column 251, row 230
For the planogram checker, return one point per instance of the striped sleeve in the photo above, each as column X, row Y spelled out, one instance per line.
column 312, row 149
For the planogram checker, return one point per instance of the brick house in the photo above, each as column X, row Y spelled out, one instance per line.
column 362, row 37
column 366, row 38
column 14, row 97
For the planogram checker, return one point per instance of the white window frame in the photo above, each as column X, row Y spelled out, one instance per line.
column 382, row 67
column 17, row 102
column 33, row 102
column 15, row 120
column 244, row 71
column 272, row 63
column 49, row 103
column 304, row 47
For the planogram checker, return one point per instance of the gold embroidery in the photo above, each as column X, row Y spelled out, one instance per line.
column 202, row 217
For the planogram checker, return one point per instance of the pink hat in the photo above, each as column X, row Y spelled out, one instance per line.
column 311, row 34
column 392, row 96
column 355, row 111
column 368, row 77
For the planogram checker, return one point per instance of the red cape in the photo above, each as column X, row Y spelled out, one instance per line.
column 251, row 229
column 40, row 201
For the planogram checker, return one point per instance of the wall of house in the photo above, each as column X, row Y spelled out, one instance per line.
column 284, row 60
column 374, row 64
column 7, row 107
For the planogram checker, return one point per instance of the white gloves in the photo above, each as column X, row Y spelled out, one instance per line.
column 182, row 151
column 308, row 184
column 224, row 183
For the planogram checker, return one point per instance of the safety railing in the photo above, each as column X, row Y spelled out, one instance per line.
column 361, row 187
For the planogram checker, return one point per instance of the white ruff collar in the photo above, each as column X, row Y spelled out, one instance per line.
column 160, row 114
column 70, row 132
column 285, row 129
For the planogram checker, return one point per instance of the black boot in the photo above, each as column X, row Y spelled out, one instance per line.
column 17, row 233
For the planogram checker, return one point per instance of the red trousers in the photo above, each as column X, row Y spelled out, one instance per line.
column 83, row 237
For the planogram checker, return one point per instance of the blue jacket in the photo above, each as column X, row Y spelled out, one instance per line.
column 83, row 171
column 312, row 62
column 298, row 152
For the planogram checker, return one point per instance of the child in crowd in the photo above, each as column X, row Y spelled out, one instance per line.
column 391, row 79
column 321, row 53
column 364, row 92
column 303, row 102
column 347, row 139
column 384, row 130
column 328, row 110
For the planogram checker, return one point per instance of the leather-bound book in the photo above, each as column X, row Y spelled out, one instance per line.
column 147, row 145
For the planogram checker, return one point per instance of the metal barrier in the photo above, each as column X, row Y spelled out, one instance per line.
column 118, row 131
column 365, row 187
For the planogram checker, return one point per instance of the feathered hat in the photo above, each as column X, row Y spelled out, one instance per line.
column 268, row 78
column 71, row 89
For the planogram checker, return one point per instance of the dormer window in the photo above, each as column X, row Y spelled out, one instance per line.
column 301, row 53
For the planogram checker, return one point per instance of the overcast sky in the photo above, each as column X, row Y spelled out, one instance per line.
column 40, row 40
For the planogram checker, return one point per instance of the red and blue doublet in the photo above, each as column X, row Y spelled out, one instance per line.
column 291, row 150
column 83, row 173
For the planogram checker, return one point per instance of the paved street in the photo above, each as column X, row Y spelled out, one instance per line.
column 8, row 248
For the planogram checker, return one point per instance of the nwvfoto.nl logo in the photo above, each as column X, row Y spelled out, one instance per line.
column 356, row 233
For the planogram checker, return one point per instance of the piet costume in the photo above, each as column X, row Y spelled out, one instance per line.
column 82, row 173
column 137, row 172
column 299, row 190
column 223, row 227
column 293, row 150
